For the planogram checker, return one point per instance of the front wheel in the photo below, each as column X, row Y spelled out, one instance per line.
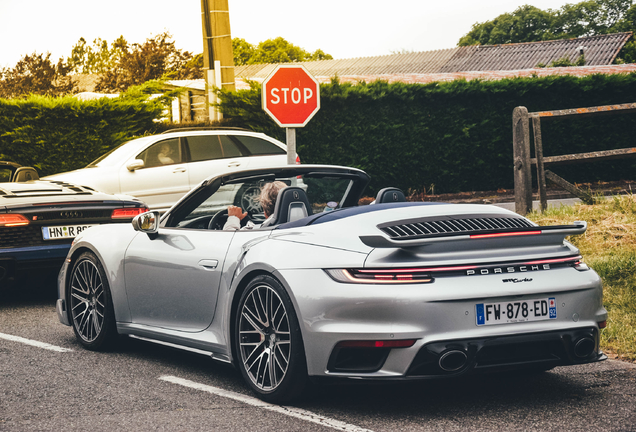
column 90, row 303
column 269, row 344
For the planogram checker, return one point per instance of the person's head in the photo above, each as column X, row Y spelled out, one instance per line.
column 269, row 193
column 166, row 149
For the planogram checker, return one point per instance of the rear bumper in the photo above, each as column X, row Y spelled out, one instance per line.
column 542, row 350
column 15, row 262
column 532, row 352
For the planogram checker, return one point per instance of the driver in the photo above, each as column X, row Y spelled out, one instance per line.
column 267, row 199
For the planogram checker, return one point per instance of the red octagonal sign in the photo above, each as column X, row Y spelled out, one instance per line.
column 291, row 96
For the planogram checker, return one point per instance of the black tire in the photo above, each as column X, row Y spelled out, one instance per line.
column 90, row 304
column 267, row 339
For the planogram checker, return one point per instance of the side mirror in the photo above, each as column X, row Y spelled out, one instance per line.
column 135, row 165
column 147, row 222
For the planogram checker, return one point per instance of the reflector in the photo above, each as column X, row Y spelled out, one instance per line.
column 404, row 343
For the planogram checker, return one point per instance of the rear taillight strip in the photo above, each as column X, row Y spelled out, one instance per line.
column 505, row 234
column 127, row 213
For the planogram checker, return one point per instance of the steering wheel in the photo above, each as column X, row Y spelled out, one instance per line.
column 200, row 222
column 218, row 220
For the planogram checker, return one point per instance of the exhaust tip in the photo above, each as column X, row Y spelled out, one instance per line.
column 453, row 360
column 584, row 347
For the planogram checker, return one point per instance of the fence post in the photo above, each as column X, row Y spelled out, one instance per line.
column 538, row 150
column 521, row 160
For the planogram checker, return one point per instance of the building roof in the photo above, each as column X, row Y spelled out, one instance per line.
column 598, row 50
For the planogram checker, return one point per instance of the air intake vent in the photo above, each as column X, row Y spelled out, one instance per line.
column 448, row 225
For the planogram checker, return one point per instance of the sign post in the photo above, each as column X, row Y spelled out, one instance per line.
column 291, row 96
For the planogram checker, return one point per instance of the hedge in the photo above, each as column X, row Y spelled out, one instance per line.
column 451, row 136
column 61, row 134
column 439, row 137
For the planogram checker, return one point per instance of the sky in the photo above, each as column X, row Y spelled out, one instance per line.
column 342, row 28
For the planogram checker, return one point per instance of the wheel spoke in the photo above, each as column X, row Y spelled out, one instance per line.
column 256, row 313
column 79, row 297
column 265, row 321
column 270, row 369
column 251, row 322
column 80, row 274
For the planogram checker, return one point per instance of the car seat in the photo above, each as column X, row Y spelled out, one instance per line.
column 23, row 174
column 291, row 204
column 389, row 195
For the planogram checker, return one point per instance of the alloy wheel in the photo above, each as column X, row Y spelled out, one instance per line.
column 264, row 337
column 88, row 303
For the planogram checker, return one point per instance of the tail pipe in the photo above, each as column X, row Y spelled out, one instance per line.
column 453, row 360
column 584, row 347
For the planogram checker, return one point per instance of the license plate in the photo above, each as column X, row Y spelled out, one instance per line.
column 62, row 232
column 516, row 311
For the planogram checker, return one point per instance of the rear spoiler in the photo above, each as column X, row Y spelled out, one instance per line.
column 383, row 241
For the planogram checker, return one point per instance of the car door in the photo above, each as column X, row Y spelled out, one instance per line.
column 212, row 155
column 162, row 180
column 172, row 281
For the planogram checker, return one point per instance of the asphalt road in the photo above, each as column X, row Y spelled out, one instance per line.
column 146, row 387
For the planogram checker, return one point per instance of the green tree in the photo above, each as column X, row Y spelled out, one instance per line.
column 529, row 24
column 627, row 23
column 35, row 74
column 242, row 50
column 320, row 55
column 96, row 59
column 156, row 58
column 276, row 50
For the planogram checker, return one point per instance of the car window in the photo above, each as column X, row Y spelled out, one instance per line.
column 258, row 146
column 115, row 156
column 230, row 149
column 325, row 194
column 209, row 147
column 5, row 174
column 204, row 148
column 166, row 152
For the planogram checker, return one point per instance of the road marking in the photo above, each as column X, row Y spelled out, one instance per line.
column 34, row 343
column 287, row 410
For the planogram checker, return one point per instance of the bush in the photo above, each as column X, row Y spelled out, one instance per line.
column 454, row 135
column 62, row 134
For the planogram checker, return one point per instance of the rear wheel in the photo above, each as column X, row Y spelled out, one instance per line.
column 268, row 340
column 90, row 303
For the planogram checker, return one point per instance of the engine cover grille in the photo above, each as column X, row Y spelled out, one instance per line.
column 429, row 227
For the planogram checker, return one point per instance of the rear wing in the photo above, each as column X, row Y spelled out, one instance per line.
column 556, row 234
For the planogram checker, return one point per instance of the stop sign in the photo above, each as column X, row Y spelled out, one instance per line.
column 291, row 96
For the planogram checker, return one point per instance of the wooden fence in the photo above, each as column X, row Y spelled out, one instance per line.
column 522, row 161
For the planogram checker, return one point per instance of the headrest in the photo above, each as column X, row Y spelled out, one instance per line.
column 389, row 195
column 291, row 204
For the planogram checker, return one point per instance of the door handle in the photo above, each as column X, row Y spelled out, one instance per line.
column 208, row 264
column 234, row 164
column 179, row 170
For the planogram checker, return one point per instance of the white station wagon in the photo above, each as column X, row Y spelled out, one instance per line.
column 160, row 169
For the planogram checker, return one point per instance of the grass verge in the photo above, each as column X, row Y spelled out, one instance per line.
column 609, row 247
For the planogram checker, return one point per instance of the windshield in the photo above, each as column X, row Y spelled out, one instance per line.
column 323, row 194
column 117, row 155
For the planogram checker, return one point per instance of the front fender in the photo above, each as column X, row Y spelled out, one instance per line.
column 109, row 244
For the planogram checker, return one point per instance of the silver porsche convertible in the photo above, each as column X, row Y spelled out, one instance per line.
column 325, row 288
